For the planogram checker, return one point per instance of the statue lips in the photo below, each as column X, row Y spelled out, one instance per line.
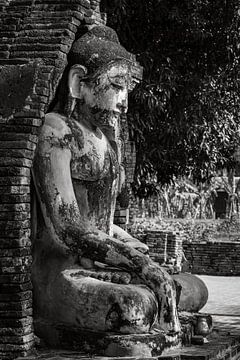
column 107, row 121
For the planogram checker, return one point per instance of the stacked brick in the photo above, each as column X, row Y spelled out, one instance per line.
column 175, row 246
column 164, row 245
column 35, row 39
column 157, row 243
column 130, row 169
column 121, row 217
column 213, row 258
column 125, row 214
column 122, row 213
column 18, row 138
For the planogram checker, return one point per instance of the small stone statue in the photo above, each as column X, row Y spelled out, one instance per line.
column 88, row 273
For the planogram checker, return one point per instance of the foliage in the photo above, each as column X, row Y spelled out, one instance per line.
column 187, row 200
column 184, row 116
column 182, row 200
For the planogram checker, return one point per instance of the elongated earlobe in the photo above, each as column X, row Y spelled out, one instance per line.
column 76, row 74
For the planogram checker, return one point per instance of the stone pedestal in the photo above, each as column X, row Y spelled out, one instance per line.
column 103, row 344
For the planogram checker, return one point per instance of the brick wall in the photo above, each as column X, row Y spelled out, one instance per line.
column 124, row 213
column 213, row 258
column 163, row 245
column 35, row 39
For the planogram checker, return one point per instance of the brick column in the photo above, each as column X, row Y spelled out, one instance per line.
column 35, row 38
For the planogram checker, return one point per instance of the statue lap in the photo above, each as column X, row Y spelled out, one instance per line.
column 94, row 298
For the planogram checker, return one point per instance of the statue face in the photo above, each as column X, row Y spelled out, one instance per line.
column 106, row 91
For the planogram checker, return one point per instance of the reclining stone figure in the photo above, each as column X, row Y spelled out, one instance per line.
column 87, row 273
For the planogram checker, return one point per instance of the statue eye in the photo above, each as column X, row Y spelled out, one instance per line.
column 118, row 82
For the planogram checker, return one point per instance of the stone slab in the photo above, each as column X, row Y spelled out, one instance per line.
column 110, row 345
column 220, row 346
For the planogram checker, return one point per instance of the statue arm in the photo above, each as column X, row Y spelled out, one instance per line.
column 52, row 177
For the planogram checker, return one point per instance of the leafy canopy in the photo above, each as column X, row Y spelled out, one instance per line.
column 184, row 116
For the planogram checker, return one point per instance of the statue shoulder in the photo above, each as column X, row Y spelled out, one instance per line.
column 55, row 133
column 55, row 125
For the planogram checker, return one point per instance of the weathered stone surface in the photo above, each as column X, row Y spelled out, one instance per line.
column 14, row 190
column 12, row 136
column 16, row 305
column 16, row 347
column 16, row 153
column 23, row 269
column 137, row 345
column 30, row 123
column 15, row 314
column 9, row 355
column 221, row 346
column 9, row 225
column 14, row 215
column 213, row 258
column 193, row 294
column 12, row 77
column 14, row 171
column 17, row 144
column 17, row 232
column 19, row 207
column 7, row 161
column 15, row 243
column 16, row 339
column 18, row 255
column 14, row 198
column 14, row 278
column 26, row 330
column 18, row 296
column 14, row 288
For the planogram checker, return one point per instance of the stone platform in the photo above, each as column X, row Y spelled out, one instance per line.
column 220, row 346
column 106, row 344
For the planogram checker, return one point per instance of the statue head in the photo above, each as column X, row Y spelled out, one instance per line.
column 99, row 76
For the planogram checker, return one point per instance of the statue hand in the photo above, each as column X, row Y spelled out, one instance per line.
column 100, row 247
column 136, row 244
column 163, row 286
column 127, row 239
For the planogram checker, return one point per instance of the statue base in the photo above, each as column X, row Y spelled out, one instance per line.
column 220, row 345
column 105, row 344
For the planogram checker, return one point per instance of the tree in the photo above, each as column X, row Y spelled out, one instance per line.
column 184, row 116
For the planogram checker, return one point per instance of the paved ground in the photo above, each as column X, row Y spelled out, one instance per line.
column 224, row 301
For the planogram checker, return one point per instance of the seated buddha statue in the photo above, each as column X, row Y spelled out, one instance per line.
column 87, row 273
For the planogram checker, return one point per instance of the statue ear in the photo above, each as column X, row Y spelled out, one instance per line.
column 76, row 74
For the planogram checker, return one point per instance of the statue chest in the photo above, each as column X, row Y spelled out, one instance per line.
column 94, row 171
column 93, row 158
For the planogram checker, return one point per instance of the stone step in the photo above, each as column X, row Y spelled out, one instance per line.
column 220, row 346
